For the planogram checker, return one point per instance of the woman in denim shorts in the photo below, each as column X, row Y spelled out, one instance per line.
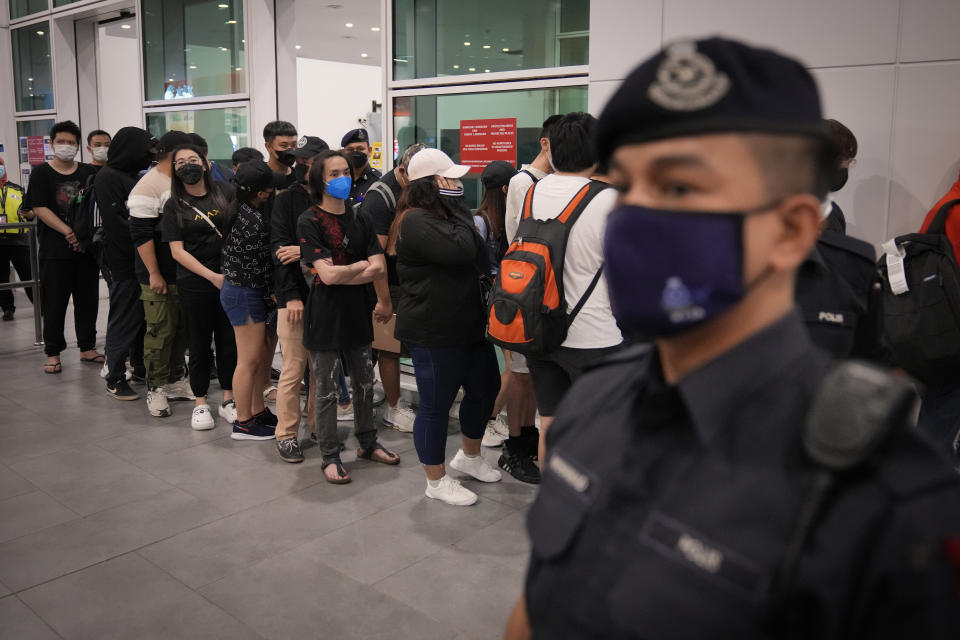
column 247, row 280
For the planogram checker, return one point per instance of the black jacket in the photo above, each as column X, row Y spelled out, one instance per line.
column 289, row 282
column 130, row 153
column 439, row 261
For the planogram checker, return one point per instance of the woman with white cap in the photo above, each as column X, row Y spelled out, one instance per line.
column 440, row 257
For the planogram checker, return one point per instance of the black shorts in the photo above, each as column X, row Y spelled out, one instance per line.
column 554, row 374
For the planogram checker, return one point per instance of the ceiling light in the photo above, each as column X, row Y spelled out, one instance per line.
column 231, row 22
column 193, row 66
column 374, row 28
column 125, row 26
column 471, row 69
column 456, row 66
column 298, row 47
column 486, row 46
column 363, row 55
column 349, row 25
column 39, row 33
column 486, row 70
column 239, row 69
column 169, row 79
column 505, row 49
column 29, row 79
column 466, row 44
column 223, row 49
column 400, row 60
column 223, row 6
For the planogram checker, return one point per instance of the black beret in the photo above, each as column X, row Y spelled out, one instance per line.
column 710, row 86
column 354, row 135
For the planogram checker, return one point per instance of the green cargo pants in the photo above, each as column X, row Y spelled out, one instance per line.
column 165, row 341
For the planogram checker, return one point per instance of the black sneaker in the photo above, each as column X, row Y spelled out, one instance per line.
column 289, row 450
column 274, row 374
column 530, row 437
column 267, row 417
column 520, row 466
column 122, row 391
column 252, row 430
column 7, row 315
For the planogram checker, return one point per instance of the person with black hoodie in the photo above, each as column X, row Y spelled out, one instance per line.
column 131, row 151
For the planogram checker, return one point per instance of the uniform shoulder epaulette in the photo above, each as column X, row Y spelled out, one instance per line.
column 14, row 185
column 847, row 244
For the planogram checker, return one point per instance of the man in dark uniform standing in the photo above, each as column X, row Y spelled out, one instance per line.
column 730, row 481
column 356, row 145
column 838, row 293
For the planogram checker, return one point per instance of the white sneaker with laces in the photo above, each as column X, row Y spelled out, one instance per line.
column 400, row 418
column 491, row 438
column 228, row 411
column 345, row 412
column 476, row 467
column 450, row 491
column 157, row 403
column 179, row 390
column 202, row 419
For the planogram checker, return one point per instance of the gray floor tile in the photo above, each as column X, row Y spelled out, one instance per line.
column 459, row 590
column 18, row 622
column 161, row 436
column 4, row 590
column 30, row 512
column 88, row 479
column 12, row 483
column 56, row 551
column 503, row 542
column 127, row 597
column 308, row 599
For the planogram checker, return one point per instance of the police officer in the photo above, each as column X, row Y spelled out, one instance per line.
column 838, row 293
column 730, row 481
column 14, row 243
column 356, row 145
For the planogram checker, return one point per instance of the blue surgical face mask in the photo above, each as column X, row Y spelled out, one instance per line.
column 339, row 187
column 3, row 172
column 670, row 271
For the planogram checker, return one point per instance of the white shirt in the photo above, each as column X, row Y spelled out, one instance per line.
column 516, row 190
column 149, row 195
column 594, row 327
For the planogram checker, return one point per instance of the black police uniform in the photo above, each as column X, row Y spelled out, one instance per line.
column 839, row 296
column 361, row 184
column 665, row 510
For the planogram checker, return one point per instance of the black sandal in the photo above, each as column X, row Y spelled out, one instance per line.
column 344, row 477
column 368, row 454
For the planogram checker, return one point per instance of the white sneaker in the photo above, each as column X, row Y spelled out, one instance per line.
column 501, row 427
column 157, row 403
column 228, row 411
column 491, row 438
column 345, row 412
column 400, row 418
column 179, row 390
column 202, row 419
column 476, row 467
column 451, row 491
column 455, row 411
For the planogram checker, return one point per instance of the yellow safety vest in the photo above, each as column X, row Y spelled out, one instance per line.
column 10, row 200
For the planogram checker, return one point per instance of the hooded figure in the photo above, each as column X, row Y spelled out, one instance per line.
column 131, row 151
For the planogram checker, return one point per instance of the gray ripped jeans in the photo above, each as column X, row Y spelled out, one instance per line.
column 326, row 367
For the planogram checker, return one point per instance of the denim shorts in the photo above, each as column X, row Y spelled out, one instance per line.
column 242, row 304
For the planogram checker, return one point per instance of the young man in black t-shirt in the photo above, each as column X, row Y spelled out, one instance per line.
column 65, row 269
column 346, row 258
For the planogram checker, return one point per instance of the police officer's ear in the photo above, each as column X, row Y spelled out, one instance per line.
column 799, row 227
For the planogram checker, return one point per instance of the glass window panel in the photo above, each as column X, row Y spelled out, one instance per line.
column 435, row 38
column 63, row 3
column 34, row 127
column 224, row 129
column 32, row 70
column 20, row 8
column 193, row 48
column 435, row 121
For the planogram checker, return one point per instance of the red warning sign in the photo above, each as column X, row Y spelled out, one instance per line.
column 483, row 141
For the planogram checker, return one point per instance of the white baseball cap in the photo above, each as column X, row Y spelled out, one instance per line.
column 433, row 162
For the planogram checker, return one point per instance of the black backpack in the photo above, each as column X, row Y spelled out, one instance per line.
column 85, row 218
column 527, row 311
column 921, row 301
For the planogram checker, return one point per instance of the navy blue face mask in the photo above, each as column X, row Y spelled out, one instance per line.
column 670, row 271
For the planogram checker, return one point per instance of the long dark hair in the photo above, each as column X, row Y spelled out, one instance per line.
column 422, row 193
column 179, row 194
column 493, row 209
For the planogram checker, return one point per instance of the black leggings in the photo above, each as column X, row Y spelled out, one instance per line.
column 204, row 316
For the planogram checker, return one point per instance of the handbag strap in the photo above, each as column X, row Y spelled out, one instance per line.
column 204, row 216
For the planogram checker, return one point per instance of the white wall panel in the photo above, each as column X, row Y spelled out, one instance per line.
column 930, row 30
column 621, row 35
column 599, row 93
column 819, row 32
column 926, row 141
column 862, row 99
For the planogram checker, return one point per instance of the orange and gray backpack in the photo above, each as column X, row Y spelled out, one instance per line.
column 527, row 311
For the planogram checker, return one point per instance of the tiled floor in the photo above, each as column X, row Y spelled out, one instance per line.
column 117, row 525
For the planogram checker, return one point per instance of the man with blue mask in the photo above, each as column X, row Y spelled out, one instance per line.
column 730, row 481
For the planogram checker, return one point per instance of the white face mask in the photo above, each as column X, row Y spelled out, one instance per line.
column 65, row 151
column 100, row 153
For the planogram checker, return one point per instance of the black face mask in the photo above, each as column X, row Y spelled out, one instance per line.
column 190, row 173
column 356, row 159
column 300, row 173
column 286, row 158
column 838, row 179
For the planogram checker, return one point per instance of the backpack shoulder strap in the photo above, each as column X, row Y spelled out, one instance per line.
column 578, row 204
column 385, row 192
column 527, row 211
column 939, row 223
column 532, row 177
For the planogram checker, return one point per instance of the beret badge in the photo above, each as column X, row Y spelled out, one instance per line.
column 687, row 80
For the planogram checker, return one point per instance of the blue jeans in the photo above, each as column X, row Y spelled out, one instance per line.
column 440, row 372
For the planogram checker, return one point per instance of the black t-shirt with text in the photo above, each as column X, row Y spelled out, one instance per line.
column 337, row 316
column 181, row 221
column 51, row 189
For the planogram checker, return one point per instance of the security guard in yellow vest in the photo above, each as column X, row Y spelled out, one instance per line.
column 14, row 243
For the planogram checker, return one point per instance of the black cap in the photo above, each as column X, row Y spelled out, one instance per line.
column 256, row 175
column 497, row 174
column 355, row 135
column 171, row 140
column 710, row 86
column 309, row 146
